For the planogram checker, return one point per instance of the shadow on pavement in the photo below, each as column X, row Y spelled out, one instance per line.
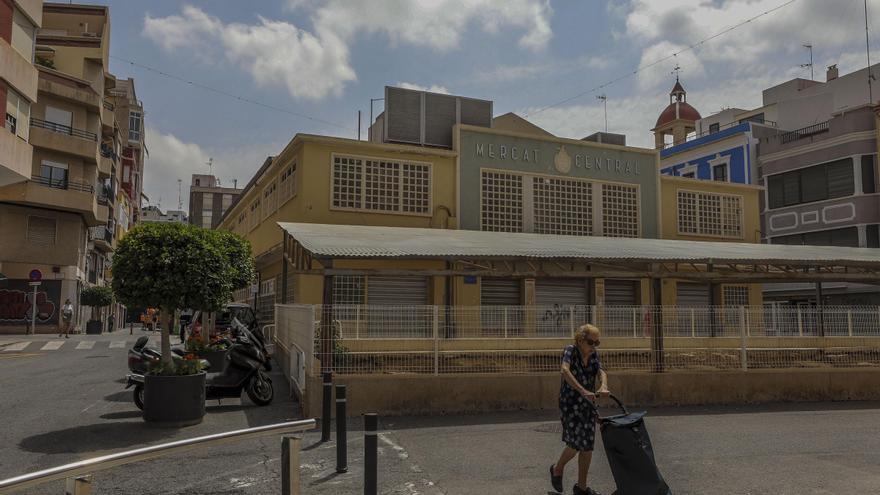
column 122, row 415
column 123, row 396
column 100, row 436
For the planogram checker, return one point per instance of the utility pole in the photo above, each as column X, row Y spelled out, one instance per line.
column 604, row 99
column 868, row 52
column 809, row 46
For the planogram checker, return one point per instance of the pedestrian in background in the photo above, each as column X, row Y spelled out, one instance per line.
column 582, row 381
column 66, row 319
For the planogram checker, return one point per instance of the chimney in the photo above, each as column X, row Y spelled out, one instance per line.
column 832, row 73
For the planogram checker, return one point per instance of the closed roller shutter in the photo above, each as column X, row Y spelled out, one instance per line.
column 691, row 294
column 561, row 291
column 397, row 291
column 500, row 292
column 621, row 292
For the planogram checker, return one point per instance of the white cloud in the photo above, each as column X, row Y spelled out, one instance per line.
column 525, row 71
column 432, row 88
column 314, row 64
column 172, row 158
column 273, row 52
column 660, row 75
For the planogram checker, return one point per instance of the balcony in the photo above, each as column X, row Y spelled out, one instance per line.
column 72, row 195
column 68, row 87
column 66, row 139
column 108, row 115
column 102, row 237
column 16, row 156
column 18, row 71
column 108, row 160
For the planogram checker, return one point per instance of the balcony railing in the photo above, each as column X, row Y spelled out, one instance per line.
column 63, row 129
column 101, row 233
column 107, row 152
column 69, row 184
column 721, row 128
column 805, row 132
column 109, row 106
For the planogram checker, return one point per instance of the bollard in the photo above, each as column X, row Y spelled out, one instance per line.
column 326, row 412
column 371, row 425
column 290, row 475
column 81, row 485
column 341, row 441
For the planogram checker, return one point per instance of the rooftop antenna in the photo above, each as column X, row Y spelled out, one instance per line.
column 809, row 46
column 211, row 165
column 868, row 52
column 604, row 99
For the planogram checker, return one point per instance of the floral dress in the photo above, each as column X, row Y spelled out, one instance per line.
column 578, row 417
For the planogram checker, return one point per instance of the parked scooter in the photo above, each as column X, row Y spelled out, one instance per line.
column 247, row 361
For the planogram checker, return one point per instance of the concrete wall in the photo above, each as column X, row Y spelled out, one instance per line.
column 751, row 215
column 391, row 395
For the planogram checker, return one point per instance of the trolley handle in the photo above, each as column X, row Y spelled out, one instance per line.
column 614, row 398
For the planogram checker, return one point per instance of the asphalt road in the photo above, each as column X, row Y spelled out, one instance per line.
column 57, row 406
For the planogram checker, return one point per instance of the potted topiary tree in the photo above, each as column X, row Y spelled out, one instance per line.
column 170, row 266
column 96, row 298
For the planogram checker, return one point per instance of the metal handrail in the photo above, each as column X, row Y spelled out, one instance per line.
column 89, row 466
column 69, row 184
column 63, row 129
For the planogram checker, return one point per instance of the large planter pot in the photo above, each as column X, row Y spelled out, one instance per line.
column 217, row 360
column 94, row 327
column 174, row 401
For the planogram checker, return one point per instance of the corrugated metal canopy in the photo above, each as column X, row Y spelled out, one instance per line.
column 357, row 241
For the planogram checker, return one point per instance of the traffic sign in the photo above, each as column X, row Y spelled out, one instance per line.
column 36, row 275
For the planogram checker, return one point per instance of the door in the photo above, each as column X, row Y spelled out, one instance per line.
column 389, row 316
column 501, row 306
column 560, row 299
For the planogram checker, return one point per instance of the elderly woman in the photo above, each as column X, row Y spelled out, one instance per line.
column 582, row 381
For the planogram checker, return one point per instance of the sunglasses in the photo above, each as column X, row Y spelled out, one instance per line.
column 594, row 343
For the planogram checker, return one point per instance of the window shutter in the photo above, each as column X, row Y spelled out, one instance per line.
column 41, row 230
column 840, row 178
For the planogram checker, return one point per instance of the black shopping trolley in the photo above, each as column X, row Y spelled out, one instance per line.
column 630, row 455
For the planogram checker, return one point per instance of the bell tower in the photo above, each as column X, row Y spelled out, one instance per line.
column 678, row 119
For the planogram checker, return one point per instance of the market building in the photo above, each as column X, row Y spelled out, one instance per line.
column 474, row 175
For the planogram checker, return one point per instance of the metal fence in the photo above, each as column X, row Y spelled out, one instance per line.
column 523, row 339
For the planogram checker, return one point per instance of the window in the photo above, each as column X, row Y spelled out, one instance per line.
column 620, row 210
column 688, row 175
column 255, row 214
column 869, row 178
column 709, row 214
column 563, row 206
column 269, row 200
column 845, row 237
column 381, row 185
column 62, row 119
column 713, row 128
column 267, row 287
column 287, row 184
column 819, row 182
column 872, row 236
column 198, row 181
column 207, row 201
column 736, row 295
column 23, row 34
column 719, row 172
column 501, row 202
column 18, row 114
column 134, row 126
column 41, row 230
column 53, row 174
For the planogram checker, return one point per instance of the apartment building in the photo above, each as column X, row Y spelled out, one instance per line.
column 57, row 220
column 208, row 200
column 129, row 112
column 154, row 214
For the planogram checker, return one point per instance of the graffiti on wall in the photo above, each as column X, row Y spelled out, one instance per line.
column 16, row 302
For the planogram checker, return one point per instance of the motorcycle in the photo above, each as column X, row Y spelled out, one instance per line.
column 247, row 361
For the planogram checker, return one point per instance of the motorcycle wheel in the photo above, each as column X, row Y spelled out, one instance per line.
column 139, row 396
column 260, row 390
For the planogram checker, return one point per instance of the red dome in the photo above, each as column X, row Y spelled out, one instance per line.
column 685, row 111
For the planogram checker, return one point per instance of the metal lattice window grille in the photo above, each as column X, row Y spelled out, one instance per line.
column 349, row 291
column 620, row 210
column 416, row 188
column 563, row 206
column 381, row 185
column 709, row 214
column 348, row 175
column 736, row 295
column 501, row 202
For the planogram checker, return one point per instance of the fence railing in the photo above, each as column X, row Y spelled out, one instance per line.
column 804, row 132
column 68, row 184
column 64, row 129
column 78, row 474
column 494, row 339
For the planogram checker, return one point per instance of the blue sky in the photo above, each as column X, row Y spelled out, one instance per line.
column 326, row 59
